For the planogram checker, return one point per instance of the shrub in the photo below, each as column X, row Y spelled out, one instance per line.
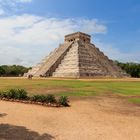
column 3, row 94
column 50, row 98
column 39, row 98
column 20, row 94
column 44, row 98
column 11, row 94
column 63, row 100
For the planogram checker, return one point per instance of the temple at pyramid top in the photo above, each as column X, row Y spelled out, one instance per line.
column 78, row 36
column 77, row 57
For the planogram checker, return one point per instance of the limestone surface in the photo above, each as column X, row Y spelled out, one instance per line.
column 77, row 57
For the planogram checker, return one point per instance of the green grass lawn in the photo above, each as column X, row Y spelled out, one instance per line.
column 135, row 100
column 73, row 87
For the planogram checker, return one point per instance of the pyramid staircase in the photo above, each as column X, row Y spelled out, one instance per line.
column 77, row 57
column 51, row 62
column 69, row 66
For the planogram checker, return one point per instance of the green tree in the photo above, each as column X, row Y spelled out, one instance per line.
column 131, row 68
column 2, row 71
column 14, row 70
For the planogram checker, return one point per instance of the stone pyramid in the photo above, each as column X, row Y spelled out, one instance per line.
column 77, row 57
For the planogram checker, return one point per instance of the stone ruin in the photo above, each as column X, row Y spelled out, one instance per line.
column 77, row 57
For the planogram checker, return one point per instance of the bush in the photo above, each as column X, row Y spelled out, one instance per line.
column 11, row 94
column 20, row 94
column 38, row 98
column 63, row 100
column 3, row 94
column 44, row 98
column 50, row 98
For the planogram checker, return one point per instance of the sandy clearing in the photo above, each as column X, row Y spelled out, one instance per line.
column 89, row 119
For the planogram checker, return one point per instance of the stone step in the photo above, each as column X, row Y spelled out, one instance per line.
column 69, row 65
column 77, row 58
column 53, row 59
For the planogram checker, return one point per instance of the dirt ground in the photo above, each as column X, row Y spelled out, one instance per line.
column 99, row 118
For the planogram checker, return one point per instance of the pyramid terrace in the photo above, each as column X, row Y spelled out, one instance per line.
column 77, row 57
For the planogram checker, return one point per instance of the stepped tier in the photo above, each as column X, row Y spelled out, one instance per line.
column 76, row 58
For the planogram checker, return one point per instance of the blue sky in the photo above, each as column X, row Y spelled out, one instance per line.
column 31, row 29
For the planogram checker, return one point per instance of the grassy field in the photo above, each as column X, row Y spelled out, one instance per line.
column 128, row 88
column 134, row 100
column 74, row 87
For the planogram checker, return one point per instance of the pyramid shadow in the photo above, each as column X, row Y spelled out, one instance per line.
column 12, row 132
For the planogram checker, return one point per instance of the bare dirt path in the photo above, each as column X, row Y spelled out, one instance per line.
column 90, row 119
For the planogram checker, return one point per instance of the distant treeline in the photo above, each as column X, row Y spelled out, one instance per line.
column 131, row 68
column 14, row 70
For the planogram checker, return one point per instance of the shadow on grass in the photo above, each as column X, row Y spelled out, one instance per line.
column 11, row 132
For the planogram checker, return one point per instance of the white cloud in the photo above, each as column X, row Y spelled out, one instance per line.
column 93, row 25
column 24, row 1
column 116, row 54
column 12, row 3
column 26, row 39
column 9, row 6
column 3, row 2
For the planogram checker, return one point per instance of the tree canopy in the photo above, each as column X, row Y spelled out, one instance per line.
column 131, row 68
column 14, row 70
